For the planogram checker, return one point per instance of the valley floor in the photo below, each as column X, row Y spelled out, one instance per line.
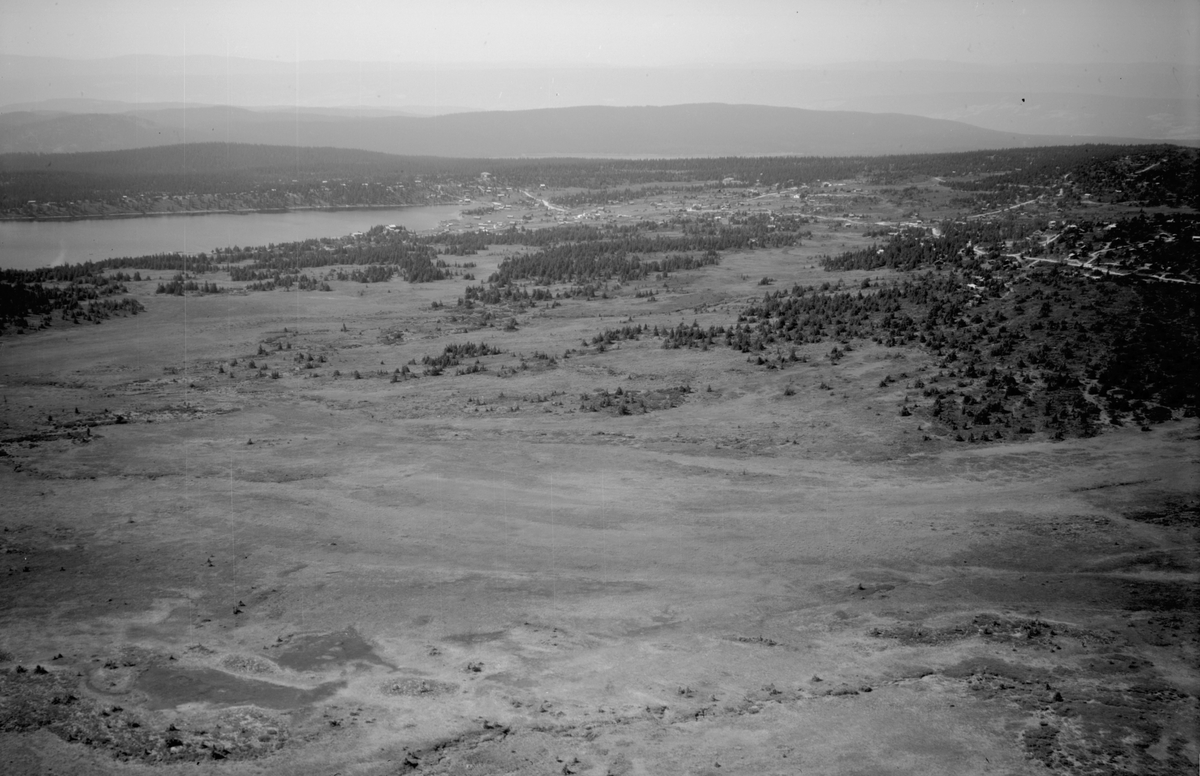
column 210, row 572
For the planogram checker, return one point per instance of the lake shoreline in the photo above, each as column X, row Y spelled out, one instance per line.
column 34, row 243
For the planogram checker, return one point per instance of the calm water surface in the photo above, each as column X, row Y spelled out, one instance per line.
column 29, row 244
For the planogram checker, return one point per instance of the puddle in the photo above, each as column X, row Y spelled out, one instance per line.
column 168, row 687
column 319, row 652
column 512, row 680
column 651, row 630
column 475, row 638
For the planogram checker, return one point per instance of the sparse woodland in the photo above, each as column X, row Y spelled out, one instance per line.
column 1036, row 325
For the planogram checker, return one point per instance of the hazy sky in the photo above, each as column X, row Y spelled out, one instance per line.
column 628, row 32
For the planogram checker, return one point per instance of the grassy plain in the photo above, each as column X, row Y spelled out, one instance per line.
column 219, row 572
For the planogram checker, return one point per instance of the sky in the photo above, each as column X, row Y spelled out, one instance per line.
column 640, row 33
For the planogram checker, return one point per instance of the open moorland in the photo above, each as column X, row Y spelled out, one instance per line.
column 740, row 476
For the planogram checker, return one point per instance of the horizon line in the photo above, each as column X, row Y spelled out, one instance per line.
column 512, row 64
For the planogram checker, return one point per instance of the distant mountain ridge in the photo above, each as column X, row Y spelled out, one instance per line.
column 206, row 159
column 66, row 105
column 1152, row 101
column 706, row 129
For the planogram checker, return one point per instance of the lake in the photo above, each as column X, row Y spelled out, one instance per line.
column 31, row 244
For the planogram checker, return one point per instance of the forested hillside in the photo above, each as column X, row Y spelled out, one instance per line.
column 230, row 176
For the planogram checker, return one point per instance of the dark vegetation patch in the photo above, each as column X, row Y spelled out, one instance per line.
column 453, row 355
column 248, row 664
column 414, row 687
column 1183, row 560
column 1131, row 729
column 1021, row 347
column 1075, row 727
column 633, row 402
column 37, row 699
column 1144, row 175
column 1171, row 629
column 177, row 286
column 392, row 335
column 594, row 248
column 533, row 363
column 991, row 627
column 1039, row 743
column 1160, row 596
column 375, row 256
column 83, row 297
column 762, row 640
column 1176, row 514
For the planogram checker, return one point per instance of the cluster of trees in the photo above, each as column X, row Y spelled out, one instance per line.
column 1155, row 244
column 25, row 305
column 27, row 295
column 99, row 272
column 89, row 273
column 378, row 255
column 1159, row 243
column 263, row 280
column 538, row 362
column 454, row 354
column 592, row 262
column 308, row 360
column 587, row 255
column 1147, row 175
column 955, row 241
column 469, row 243
column 178, row 287
column 375, row 273
column 683, row 335
column 1164, row 175
column 1041, row 349
column 512, row 294
column 521, row 298
column 627, row 332
column 633, row 402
